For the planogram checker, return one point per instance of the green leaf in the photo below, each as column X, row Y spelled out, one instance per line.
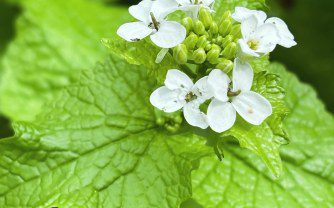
column 223, row 5
column 308, row 180
column 142, row 53
column 266, row 139
column 97, row 145
column 54, row 41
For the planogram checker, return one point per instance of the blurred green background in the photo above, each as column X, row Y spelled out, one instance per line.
column 309, row 20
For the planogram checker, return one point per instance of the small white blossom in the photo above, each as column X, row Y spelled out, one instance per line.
column 193, row 6
column 251, row 106
column 257, row 38
column 151, row 15
column 178, row 93
column 286, row 37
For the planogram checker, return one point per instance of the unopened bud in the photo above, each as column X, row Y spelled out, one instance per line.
column 208, row 47
column 219, row 40
column 187, row 23
column 202, row 41
column 225, row 65
column 213, row 54
column 172, row 129
column 236, row 31
column 227, row 40
column 199, row 28
column 180, row 54
column 226, row 15
column 191, row 41
column 199, row 56
column 214, row 28
column 230, row 51
column 225, row 27
column 205, row 16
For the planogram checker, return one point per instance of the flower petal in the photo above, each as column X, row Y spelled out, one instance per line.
column 267, row 35
column 208, row 3
column 161, row 55
column 141, row 11
column 134, row 31
column 248, row 27
column 242, row 76
column 202, row 90
column 242, row 13
column 245, row 49
column 194, row 116
column 218, row 83
column 183, row 2
column 221, row 115
column 190, row 10
column 175, row 79
column 162, row 8
column 253, row 107
column 170, row 34
column 287, row 39
column 166, row 100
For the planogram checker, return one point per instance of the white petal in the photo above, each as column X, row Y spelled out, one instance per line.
column 166, row 100
column 287, row 39
column 170, row 34
column 248, row 27
column 245, row 49
column 218, row 83
column 202, row 90
column 183, row 2
column 134, row 31
column 242, row 76
column 242, row 13
column 267, row 35
column 208, row 3
column 191, row 10
column 162, row 8
column 175, row 79
column 161, row 55
column 194, row 116
column 221, row 116
column 253, row 107
column 142, row 11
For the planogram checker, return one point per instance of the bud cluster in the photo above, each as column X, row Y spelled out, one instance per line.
column 209, row 42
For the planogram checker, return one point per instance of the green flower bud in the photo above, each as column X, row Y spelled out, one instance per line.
column 213, row 54
column 202, row 41
column 199, row 28
column 204, row 15
column 225, row 27
column 236, row 31
column 213, row 28
column 226, row 15
column 180, row 54
column 225, row 65
column 230, row 51
column 191, row 41
column 160, row 121
column 227, row 40
column 208, row 47
column 187, row 23
column 219, row 40
column 199, row 56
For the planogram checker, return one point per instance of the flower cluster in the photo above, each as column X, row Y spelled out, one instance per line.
column 216, row 49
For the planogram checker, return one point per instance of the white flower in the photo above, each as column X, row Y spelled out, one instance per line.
column 151, row 15
column 257, row 38
column 180, row 92
column 193, row 6
column 286, row 37
column 250, row 105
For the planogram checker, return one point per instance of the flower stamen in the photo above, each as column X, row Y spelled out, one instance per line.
column 154, row 22
column 253, row 44
column 190, row 97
